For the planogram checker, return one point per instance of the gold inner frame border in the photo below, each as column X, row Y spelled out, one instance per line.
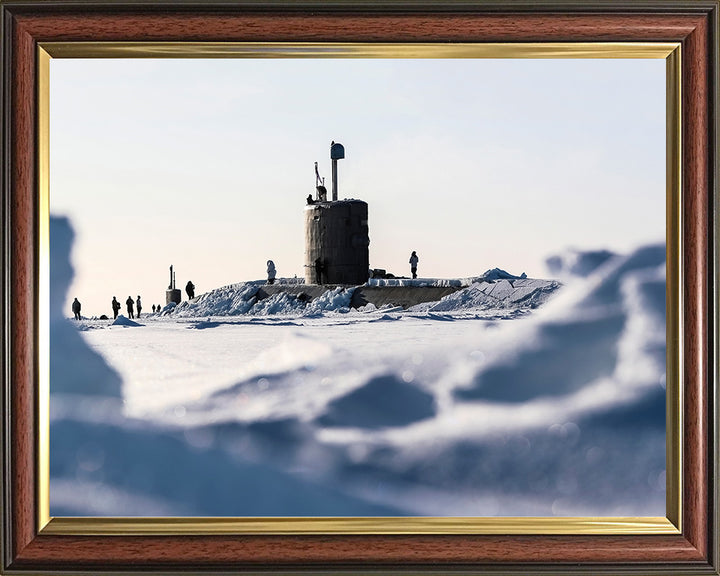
column 670, row 524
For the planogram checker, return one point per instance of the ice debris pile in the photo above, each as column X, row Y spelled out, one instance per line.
column 499, row 295
column 242, row 299
column 494, row 290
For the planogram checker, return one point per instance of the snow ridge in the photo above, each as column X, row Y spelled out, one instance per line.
column 500, row 295
column 508, row 293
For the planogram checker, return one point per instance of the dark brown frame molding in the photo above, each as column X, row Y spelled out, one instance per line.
column 25, row 24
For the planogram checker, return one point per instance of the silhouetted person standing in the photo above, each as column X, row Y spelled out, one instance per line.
column 413, row 264
column 319, row 269
column 153, row 308
column 271, row 272
column 139, row 306
column 76, row 308
column 190, row 289
column 115, row 307
column 129, row 302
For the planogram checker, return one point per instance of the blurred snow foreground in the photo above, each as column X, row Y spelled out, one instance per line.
column 449, row 409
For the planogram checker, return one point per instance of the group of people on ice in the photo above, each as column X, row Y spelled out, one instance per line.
column 189, row 288
column 130, row 304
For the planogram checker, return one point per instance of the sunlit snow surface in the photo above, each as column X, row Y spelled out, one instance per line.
column 229, row 406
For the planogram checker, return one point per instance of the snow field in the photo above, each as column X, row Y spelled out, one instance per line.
column 457, row 408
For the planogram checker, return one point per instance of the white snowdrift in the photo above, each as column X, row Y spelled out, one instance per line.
column 241, row 299
column 123, row 321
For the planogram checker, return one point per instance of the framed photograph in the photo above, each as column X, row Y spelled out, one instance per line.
column 347, row 356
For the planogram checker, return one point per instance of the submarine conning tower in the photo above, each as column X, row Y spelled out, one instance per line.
column 336, row 234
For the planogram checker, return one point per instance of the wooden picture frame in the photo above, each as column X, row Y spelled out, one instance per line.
column 29, row 546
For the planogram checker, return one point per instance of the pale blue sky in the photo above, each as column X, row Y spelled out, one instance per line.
column 205, row 164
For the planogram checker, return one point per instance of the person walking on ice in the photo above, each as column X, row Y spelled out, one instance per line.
column 115, row 307
column 139, row 306
column 413, row 264
column 129, row 303
column 190, row 289
column 76, row 308
column 271, row 272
